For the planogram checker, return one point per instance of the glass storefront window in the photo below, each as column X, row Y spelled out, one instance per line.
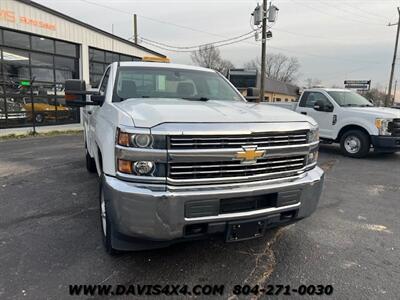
column 42, row 44
column 16, row 57
column 41, row 74
column 67, row 49
column 42, row 60
column 62, row 75
column 33, row 67
column 16, row 39
column 100, row 59
column 111, row 57
column 43, row 89
column 96, row 55
column 65, row 63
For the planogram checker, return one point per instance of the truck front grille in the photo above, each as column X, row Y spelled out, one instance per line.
column 237, row 141
column 395, row 127
column 281, row 167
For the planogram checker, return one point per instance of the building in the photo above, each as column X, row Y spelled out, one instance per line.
column 275, row 90
column 39, row 49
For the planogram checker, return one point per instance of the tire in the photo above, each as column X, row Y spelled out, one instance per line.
column 106, row 222
column 39, row 118
column 355, row 143
column 90, row 163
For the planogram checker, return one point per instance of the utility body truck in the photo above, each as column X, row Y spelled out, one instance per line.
column 349, row 119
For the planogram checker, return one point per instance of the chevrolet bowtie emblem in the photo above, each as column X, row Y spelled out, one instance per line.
column 249, row 155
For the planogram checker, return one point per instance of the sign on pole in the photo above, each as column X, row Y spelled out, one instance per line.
column 359, row 85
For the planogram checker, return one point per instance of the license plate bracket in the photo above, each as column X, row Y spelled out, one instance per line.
column 245, row 230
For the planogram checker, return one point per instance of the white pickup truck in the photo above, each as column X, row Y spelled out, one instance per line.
column 181, row 155
column 347, row 118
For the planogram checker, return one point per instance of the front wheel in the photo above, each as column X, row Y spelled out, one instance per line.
column 355, row 143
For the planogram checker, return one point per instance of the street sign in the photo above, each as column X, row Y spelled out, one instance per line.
column 25, row 83
column 359, row 85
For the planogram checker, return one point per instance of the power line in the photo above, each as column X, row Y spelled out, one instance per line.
column 204, row 44
column 348, row 12
column 335, row 16
column 160, row 45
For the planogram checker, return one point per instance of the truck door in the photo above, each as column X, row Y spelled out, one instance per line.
column 92, row 111
column 319, row 107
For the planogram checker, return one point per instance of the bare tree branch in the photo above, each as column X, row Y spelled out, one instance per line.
column 210, row 57
column 278, row 66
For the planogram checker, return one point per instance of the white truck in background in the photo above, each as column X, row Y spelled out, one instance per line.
column 349, row 119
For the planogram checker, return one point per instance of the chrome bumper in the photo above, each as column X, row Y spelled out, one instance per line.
column 157, row 213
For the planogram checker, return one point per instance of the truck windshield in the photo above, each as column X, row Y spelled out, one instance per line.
column 347, row 98
column 149, row 82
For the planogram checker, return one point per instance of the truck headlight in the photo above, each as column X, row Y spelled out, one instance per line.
column 312, row 157
column 313, row 135
column 143, row 167
column 383, row 126
column 142, row 140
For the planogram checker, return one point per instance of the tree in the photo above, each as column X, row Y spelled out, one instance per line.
column 312, row 82
column 278, row 66
column 376, row 96
column 210, row 57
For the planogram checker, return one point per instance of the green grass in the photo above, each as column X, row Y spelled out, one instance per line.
column 40, row 134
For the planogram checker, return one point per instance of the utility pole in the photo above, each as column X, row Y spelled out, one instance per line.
column 394, row 93
column 135, row 28
column 263, row 50
column 389, row 94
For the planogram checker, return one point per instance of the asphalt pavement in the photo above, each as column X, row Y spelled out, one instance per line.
column 50, row 232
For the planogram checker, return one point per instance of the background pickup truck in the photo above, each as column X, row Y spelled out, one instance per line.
column 347, row 118
column 181, row 155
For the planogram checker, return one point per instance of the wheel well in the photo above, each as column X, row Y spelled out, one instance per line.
column 348, row 128
column 100, row 158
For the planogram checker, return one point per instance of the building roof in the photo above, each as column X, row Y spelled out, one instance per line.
column 279, row 87
column 70, row 19
column 270, row 85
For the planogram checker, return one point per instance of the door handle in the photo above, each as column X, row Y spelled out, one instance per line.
column 303, row 113
column 89, row 112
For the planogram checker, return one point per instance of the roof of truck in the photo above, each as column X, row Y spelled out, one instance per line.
column 162, row 65
column 328, row 89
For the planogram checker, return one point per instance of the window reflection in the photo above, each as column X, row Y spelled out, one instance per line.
column 33, row 70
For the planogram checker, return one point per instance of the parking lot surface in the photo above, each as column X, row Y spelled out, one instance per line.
column 50, row 232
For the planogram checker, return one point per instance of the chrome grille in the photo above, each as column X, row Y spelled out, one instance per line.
column 237, row 141
column 276, row 167
column 395, row 127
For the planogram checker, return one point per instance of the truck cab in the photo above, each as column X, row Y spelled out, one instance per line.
column 348, row 118
column 181, row 155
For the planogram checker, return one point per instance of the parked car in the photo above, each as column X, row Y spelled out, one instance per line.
column 181, row 155
column 347, row 118
column 15, row 111
column 44, row 111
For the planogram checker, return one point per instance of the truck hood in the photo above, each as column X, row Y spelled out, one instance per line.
column 152, row 112
column 378, row 112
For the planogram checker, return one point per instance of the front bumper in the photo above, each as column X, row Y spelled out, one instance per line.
column 147, row 213
column 385, row 143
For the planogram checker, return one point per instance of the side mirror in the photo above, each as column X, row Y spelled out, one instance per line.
column 321, row 106
column 97, row 99
column 75, row 93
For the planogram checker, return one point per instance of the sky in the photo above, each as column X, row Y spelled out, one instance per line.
column 334, row 40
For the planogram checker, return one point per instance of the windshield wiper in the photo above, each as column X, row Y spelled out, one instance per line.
column 196, row 98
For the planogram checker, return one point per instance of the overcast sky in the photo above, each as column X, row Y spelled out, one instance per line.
column 333, row 39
